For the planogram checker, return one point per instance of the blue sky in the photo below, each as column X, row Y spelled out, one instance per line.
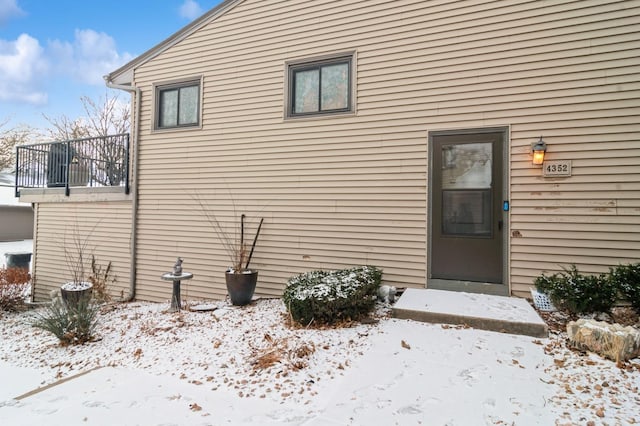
column 52, row 52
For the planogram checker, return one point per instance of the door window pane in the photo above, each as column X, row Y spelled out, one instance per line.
column 466, row 166
column 466, row 212
column 335, row 87
column 306, row 91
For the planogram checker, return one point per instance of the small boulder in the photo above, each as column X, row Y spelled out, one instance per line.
column 387, row 294
column 612, row 341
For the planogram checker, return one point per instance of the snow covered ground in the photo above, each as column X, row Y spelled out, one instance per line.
column 246, row 365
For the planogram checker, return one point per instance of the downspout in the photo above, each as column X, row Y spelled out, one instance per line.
column 134, row 188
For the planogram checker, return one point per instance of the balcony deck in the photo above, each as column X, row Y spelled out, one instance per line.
column 89, row 162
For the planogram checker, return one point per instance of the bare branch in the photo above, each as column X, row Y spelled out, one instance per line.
column 65, row 129
column 11, row 138
column 77, row 252
column 106, row 116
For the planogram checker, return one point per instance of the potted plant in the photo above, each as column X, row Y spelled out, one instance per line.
column 79, row 289
column 239, row 278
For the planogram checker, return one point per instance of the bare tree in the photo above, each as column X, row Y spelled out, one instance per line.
column 64, row 128
column 9, row 139
column 108, row 116
column 104, row 117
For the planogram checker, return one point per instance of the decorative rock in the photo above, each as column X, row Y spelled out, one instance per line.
column 613, row 341
column 387, row 294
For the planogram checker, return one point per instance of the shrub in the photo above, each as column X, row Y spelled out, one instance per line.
column 71, row 324
column 545, row 284
column 14, row 286
column 627, row 279
column 578, row 293
column 326, row 297
column 101, row 279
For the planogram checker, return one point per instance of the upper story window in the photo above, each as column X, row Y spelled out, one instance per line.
column 178, row 105
column 320, row 87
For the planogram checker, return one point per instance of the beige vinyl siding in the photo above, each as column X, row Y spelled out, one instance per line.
column 337, row 191
column 591, row 219
column 104, row 226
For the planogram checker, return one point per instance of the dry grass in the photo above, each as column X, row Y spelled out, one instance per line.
column 625, row 315
column 101, row 279
column 282, row 352
column 343, row 323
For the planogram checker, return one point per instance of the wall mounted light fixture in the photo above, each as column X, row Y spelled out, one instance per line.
column 538, row 149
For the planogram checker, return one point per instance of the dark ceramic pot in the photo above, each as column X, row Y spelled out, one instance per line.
column 241, row 286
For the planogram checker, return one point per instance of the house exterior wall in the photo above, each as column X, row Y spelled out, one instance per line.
column 16, row 223
column 342, row 190
column 105, row 227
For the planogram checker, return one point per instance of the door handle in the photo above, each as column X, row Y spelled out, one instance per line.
column 500, row 225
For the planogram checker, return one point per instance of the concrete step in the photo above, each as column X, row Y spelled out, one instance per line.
column 482, row 311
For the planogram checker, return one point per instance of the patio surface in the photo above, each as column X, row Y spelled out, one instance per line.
column 482, row 311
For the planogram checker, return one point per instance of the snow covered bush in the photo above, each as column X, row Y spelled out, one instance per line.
column 72, row 324
column 627, row 279
column 14, row 286
column 578, row 293
column 326, row 297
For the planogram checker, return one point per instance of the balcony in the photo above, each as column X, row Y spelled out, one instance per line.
column 89, row 162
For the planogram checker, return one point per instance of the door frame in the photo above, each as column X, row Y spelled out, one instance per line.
column 503, row 289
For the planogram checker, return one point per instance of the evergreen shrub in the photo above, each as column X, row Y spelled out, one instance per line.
column 627, row 279
column 578, row 293
column 327, row 297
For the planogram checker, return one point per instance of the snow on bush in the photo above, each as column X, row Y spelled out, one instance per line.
column 326, row 297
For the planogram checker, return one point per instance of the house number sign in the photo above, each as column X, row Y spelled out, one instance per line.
column 556, row 168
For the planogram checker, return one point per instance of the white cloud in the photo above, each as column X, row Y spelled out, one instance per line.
column 22, row 66
column 190, row 9
column 26, row 67
column 90, row 56
column 8, row 10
